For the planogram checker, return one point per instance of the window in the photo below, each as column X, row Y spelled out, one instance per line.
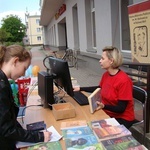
column 37, row 21
column 38, row 29
column 39, row 38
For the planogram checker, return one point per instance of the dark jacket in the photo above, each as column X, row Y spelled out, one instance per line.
column 10, row 129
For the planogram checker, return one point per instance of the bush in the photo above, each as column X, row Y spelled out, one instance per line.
column 13, row 43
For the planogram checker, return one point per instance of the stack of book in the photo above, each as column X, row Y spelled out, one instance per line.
column 114, row 136
column 108, row 129
column 106, row 134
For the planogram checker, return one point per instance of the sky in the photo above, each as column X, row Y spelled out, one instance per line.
column 19, row 7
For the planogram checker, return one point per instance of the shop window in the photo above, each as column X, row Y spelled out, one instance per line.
column 125, row 29
column 93, row 24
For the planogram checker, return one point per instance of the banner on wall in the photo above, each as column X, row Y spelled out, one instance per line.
column 139, row 21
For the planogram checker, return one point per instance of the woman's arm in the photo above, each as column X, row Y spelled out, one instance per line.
column 89, row 89
column 119, row 108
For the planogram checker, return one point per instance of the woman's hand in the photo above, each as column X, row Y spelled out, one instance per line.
column 47, row 136
column 76, row 88
column 99, row 105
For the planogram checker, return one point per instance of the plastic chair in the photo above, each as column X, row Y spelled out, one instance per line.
column 15, row 91
column 23, row 90
column 140, row 97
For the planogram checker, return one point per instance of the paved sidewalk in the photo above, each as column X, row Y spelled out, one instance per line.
column 84, row 76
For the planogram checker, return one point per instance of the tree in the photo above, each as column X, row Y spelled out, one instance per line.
column 3, row 35
column 16, row 29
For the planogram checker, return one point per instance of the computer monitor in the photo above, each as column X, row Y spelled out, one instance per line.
column 60, row 69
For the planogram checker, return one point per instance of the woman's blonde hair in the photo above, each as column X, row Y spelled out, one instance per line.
column 6, row 53
column 114, row 54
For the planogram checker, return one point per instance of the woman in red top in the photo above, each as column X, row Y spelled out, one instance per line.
column 116, row 88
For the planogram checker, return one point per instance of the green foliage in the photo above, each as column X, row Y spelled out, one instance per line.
column 16, row 29
column 13, row 43
column 3, row 35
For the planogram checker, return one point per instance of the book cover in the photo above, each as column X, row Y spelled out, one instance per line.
column 104, row 123
column 121, row 143
column 73, row 124
column 80, row 142
column 95, row 96
column 36, row 126
column 46, row 146
column 97, row 146
column 80, row 131
column 111, row 132
column 139, row 147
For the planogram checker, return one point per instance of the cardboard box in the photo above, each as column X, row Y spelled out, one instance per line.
column 139, row 20
column 63, row 111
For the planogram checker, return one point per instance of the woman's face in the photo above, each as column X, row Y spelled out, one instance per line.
column 105, row 62
column 19, row 69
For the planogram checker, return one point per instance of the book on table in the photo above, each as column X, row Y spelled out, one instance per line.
column 96, row 146
column 80, row 131
column 110, row 132
column 93, row 98
column 104, row 123
column 80, row 141
column 46, row 146
column 36, row 126
column 139, row 147
column 80, row 138
column 73, row 124
column 121, row 143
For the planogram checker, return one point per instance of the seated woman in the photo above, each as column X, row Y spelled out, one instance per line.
column 116, row 88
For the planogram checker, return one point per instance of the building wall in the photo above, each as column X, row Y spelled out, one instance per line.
column 73, row 29
column 34, row 30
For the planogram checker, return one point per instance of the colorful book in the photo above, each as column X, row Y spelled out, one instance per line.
column 36, row 126
column 139, row 147
column 81, row 131
column 73, row 124
column 93, row 98
column 80, row 142
column 121, row 143
column 104, row 123
column 111, row 132
column 46, row 146
column 97, row 146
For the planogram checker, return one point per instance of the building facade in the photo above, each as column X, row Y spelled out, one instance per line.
column 87, row 26
column 34, row 30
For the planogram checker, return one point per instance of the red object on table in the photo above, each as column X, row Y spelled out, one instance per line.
column 23, row 90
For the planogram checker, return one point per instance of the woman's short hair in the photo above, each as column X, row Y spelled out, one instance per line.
column 114, row 54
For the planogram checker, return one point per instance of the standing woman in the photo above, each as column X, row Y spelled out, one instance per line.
column 14, row 60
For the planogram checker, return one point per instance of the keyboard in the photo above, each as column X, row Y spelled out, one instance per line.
column 80, row 98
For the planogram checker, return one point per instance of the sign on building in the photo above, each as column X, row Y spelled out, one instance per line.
column 139, row 20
